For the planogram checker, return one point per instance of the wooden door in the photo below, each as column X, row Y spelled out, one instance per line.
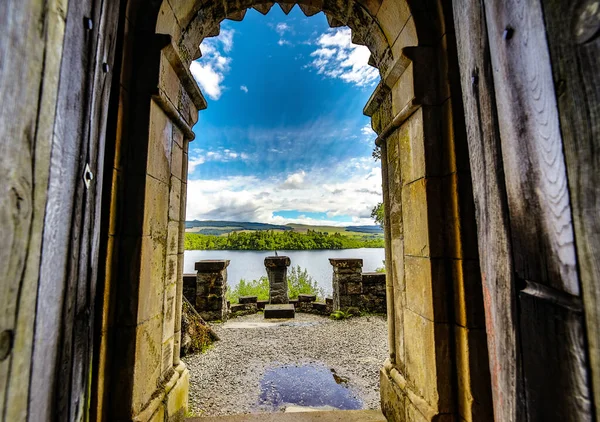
column 69, row 265
column 534, row 309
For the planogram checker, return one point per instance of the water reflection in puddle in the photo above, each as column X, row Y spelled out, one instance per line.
column 306, row 385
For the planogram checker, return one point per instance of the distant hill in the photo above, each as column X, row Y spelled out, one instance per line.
column 365, row 229
column 212, row 227
column 223, row 227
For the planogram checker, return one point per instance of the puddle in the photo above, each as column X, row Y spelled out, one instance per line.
column 308, row 386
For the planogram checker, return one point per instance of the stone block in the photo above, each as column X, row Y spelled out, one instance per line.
column 247, row 299
column 175, row 199
column 167, row 356
column 427, row 287
column 391, row 398
column 391, row 17
column 320, row 307
column 280, row 311
column 169, row 311
column 427, row 360
column 176, row 159
column 293, row 302
column 353, row 288
column 237, row 307
column 342, row 265
column 159, row 148
column 173, row 238
column 171, row 270
column 176, row 401
column 260, row 304
column 329, row 301
column 306, row 298
column 152, row 273
column 147, row 363
column 156, row 211
column 423, row 218
column 211, row 266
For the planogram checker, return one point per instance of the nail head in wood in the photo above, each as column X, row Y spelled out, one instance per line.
column 508, row 33
column 105, row 67
column 88, row 24
column 6, row 342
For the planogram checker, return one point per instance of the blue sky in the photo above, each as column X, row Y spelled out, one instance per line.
column 284, row 138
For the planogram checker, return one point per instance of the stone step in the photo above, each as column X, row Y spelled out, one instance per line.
column 280, row 311
column 327, row 416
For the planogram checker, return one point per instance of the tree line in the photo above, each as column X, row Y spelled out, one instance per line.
column 270, row 241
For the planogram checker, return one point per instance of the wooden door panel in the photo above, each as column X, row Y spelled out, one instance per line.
column 554, row 361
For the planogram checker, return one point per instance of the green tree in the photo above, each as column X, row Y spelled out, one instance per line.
column 378, row 214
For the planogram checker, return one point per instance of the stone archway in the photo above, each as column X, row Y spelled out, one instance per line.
column 437, row 369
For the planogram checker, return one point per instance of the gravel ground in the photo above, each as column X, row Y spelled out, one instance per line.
column 226, row 379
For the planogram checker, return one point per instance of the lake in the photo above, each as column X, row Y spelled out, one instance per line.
column 249, row 265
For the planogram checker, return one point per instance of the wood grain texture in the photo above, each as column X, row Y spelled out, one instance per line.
column 536, row 177
column 69, row 257
column 30, row 49
column 575, row 68
column 495, row 256
column 539, row 209
column 554, row 392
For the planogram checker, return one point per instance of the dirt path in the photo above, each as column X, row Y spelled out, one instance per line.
column 267, row 366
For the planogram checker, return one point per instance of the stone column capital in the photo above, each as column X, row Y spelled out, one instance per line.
column 346, row 263
column 277, row 261
column 211, row 265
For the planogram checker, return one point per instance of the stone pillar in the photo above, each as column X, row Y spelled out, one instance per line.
column 277, row 271
column 211, row 285
column 347, row 283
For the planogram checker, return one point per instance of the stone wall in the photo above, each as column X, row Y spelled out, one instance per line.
column 354, row 289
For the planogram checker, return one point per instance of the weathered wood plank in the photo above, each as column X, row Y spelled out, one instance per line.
column 495, row 256
column 536, row 179
column 30, row 49
column 539, row 207
column 553, row 392
column 106, row 14
column 575, row 66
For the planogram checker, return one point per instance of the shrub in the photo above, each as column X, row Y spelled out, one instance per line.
column 340, row 315
column 258, row 288
column 299, row 282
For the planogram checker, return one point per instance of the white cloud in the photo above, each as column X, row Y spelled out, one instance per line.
column 220, row 155
column 318, row 190
column 282, row 28
column 210, row 70
column 194, row 162
column 284, row 42
column 368, row 134
column 244, row 88
column 336, row 57
column 294, row 181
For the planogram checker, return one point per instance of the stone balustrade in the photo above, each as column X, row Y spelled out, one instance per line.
column 352, row 288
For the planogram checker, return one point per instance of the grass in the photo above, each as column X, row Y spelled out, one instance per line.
column 299, row 282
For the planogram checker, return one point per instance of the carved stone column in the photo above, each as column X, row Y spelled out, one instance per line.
column 277, row 271
column 347, row 283
column 211, row 286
